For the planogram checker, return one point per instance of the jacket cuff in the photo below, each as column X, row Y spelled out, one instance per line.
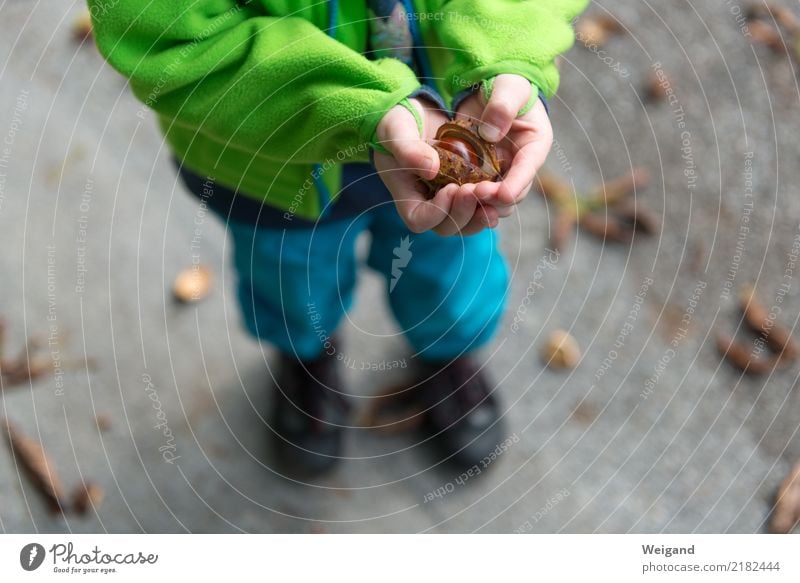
column 485, row 87
column 424, row 92
column 429, row 93
column 377, row 146
column 536, row 95
column 462, row 95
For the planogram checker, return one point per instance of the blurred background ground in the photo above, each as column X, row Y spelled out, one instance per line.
column 632, row 446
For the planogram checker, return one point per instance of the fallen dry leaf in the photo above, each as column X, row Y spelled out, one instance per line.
column 193, row 284
column 103, row 421
column 552, row 187
column 786, row 511
column 786, row 18
column 697, row 257
column 584, row 413
column 655, row 87
column 33, row 361
column 777, row 336
column 765, row 34
column 616, row 190
column 622, row 225
column 86, row 497
column 607, row 212
column 561, row 351
column 16, row 373
column 31, row 455
column 82, row 26
column 561, row 230
column 742, row 357
column 782, row 15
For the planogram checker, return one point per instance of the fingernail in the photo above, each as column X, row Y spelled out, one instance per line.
column 429, row 163
column 490, row 132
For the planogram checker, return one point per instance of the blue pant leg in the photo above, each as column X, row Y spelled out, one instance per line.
column 296, row 284
column 447, row 293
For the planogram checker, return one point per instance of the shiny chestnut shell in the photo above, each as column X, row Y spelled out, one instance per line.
column 458, row 146
column 464, row 157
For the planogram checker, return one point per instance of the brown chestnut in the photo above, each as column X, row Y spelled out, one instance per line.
column 460, row 148
column 464, row 157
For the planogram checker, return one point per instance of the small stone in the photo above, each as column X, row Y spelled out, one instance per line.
column 561, row 351
column 590, row 33
column 193, row 284
column 595, row 31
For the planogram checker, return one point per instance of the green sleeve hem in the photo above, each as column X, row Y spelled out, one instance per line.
column 369, row 123
column 488, row 85
column 486, row 89
column 532, row 100
column 415, row 112
column 405, row 102
column 531, row 72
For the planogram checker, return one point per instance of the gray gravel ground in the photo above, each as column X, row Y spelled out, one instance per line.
column 688, row 445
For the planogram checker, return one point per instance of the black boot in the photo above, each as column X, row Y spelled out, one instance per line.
column 308, row 416
column 462, row 414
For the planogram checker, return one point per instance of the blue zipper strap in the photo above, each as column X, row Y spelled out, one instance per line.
column 333, row 12
column 426, row 70
column 430, row 93
column 322, row 188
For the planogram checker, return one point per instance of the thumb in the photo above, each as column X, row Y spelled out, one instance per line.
column 398, row 133
column 510, row 93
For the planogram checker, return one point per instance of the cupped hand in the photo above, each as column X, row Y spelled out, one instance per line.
column 522, row 142
column 452, row 210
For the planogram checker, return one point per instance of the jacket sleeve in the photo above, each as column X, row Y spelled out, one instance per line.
column 489, row 37
column 278, row 86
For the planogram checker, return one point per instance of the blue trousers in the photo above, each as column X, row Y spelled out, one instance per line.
column 296, row 284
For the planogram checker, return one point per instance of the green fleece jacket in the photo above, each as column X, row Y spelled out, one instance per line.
column 269, row 97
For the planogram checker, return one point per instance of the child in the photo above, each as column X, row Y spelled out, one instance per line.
column 273, row 107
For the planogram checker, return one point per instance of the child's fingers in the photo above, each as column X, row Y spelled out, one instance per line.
column 485, row 217
column 398, row 134
column 409, row 194
column 510, row 93
column 415, row 155
column 471, row 109
column 486, row 191
column 527, row 162
column 422, row 215
column 505, row 211
column 461, row 211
